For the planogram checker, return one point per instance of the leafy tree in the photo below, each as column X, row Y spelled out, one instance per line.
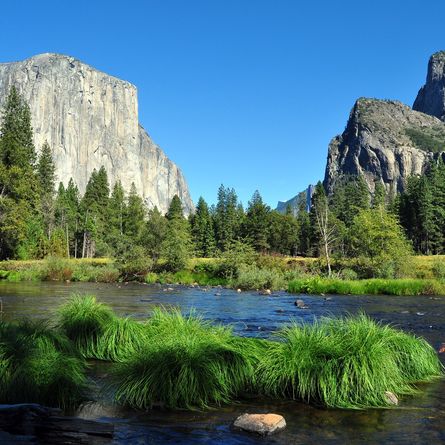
column 378, row 238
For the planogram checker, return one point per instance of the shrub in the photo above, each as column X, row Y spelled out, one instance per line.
column 134, row 263
column 56, row 269
column 39, row 365
column 438, row 269
column 251, row 277
column 348, row 274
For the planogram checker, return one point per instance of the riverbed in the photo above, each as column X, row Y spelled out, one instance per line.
column 418, row 420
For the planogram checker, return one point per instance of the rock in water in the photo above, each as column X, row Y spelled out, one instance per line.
column 263, row 424
column 90, row 119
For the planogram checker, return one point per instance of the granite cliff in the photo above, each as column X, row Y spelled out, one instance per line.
column 90, row 119
column 387, row 141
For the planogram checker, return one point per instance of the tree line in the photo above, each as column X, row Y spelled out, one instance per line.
column 38, row 219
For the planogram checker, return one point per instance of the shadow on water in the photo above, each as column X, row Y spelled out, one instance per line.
column 419, row 419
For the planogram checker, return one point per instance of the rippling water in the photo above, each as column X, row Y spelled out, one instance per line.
column 418, row 420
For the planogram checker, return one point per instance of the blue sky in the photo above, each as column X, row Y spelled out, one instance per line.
column 247, row 93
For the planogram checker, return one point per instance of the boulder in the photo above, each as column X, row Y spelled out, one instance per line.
column 263, row 424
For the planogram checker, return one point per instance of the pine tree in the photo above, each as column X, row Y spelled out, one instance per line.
column 153, row 234
column 176, row 246
column 116, row 212
column 134, row 215
column 46, row 171
column 202, row 230
column 175, row 209
column 16, row 145
column 256, row 226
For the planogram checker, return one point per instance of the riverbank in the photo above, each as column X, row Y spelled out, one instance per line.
column 267, row 273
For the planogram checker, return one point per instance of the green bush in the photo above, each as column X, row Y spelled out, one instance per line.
column 438, row 269
column 252, row 277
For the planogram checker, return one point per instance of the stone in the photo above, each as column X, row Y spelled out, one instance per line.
column 300, row 304
column 391, row 398
column 90, row 119
column 263, row 424
column 380, row 144
column 238, row 290
column 217, row 294
column 266, row 292
column 442, row 348
column 431, row 97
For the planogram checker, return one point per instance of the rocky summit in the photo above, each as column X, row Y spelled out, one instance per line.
column 387, row 141
column 90, row 119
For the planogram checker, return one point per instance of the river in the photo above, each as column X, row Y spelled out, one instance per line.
column 419, row 419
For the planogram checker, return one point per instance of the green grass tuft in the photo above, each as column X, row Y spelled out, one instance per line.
column 187, row 364
column 345, row 363
column 39, row 365
column 83, row 319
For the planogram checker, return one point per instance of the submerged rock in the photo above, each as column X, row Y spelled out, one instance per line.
column 300, row 304
column 263, row 424
column 442, row 348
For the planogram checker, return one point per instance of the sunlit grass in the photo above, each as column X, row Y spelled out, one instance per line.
column 187, row 364
column 375, row 286
column 345, row 363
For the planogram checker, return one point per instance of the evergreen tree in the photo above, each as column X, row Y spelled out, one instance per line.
column 46, row 171
column 256, row 227
column 378, row 199
column 116, row 212
column 175, row 209
column 176, row 246
column 134, row 216
column 227, row 218
column 153, row 234
column 202, row 230
column 16, row 144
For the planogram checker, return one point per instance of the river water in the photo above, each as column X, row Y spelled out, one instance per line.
column 418, row 420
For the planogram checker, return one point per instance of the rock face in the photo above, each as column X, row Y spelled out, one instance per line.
column 384, row 141
column 431, row 97
column 90, row 119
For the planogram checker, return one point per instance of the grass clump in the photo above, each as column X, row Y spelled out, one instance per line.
column 187, row 364
column 83, row 319
column 39, row 365
column 345, row 363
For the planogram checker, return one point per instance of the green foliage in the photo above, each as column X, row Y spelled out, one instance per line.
column 133, row 263
column 252, row 277
column 377, row 236
column 427, row 140
column 237, row 255
column 188, row 364
column 256, row 223
column 407, row 286
column 202, row 230
column 39, row 365
column 83, row 319
column 345, row 363
column 438, row 269
column 176, row 246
